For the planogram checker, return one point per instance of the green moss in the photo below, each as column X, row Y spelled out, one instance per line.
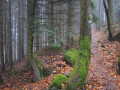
column 59, row 80
column 89, row 17
column 103, row 46
column 14, row 72
column 119, row 62
column 53, row 48
column 79, row 74
column 38, row 63
column 98, row 41
column 71, row 56
column 39, row 53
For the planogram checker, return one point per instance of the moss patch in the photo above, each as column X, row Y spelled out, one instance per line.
column 118, row 70
column 119, row 62
column 53, row 48
column 59, row 80
column 38, row 63
column 39, row 53
column 71, row 56
column 79, row 74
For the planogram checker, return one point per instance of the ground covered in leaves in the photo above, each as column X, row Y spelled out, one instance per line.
column 102, row 72
column 104, row 63
column 21, row 77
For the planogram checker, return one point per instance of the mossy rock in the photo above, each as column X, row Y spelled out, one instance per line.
column 58, row 81
column 43, row 72
column 39, row 53
column 53, row 48
column 71, row 56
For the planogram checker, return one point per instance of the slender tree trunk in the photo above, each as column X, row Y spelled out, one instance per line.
column 19, row 32
column 109, row 15
column 51, row 36
column 1, row 80
column 10, row 36
column 1, row 36
column 69, row 36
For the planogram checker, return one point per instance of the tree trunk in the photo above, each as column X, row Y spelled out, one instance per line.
column 31, row 13
column 1, row 80
column 81, row 67
column 1, row 36
column 109, row 15
column 69, row 36
column 10, row 36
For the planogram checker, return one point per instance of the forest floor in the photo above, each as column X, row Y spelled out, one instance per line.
column 102, row 72
column 21, row 77
column 104, row 63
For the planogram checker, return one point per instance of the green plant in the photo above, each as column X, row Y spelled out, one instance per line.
column 39, row 53
column 98, row 41
column 103, row 46
column 59, row 80
column 14, row 72
column 71, row 56
column 46, row 72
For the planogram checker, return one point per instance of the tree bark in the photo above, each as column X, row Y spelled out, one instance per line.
column 10, row 36
column 31, row 13
column 81, row 67
column 1, row 36
column 69, row 36
column 109, row 13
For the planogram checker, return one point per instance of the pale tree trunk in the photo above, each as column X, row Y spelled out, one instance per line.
column 69, row 24
column 10, row 36
column 51, row 25
column 19, row 32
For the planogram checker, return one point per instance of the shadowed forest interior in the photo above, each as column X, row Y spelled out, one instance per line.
column 59, row 45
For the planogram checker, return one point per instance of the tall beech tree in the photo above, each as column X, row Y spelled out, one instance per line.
column 108, row 5
column 81, row 67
